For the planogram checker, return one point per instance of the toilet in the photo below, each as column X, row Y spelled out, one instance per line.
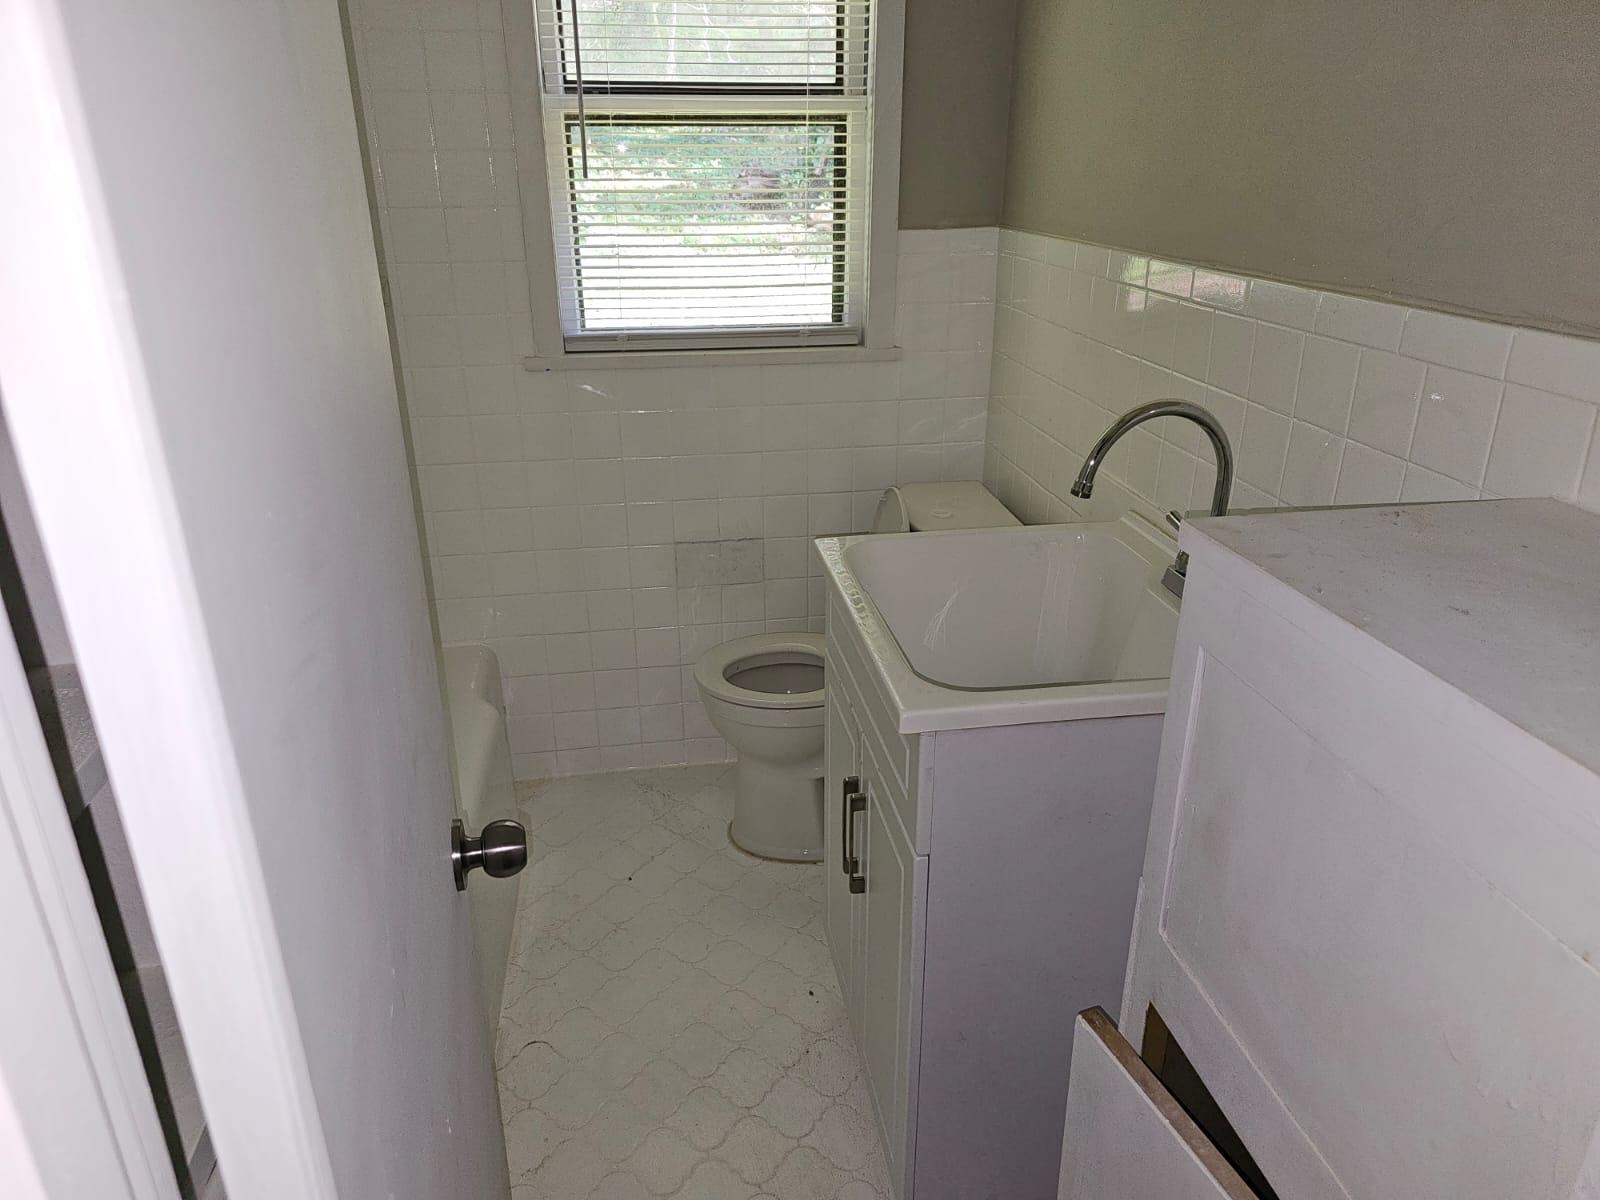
column 764, row 693
column 930, row 507
column 764, row 696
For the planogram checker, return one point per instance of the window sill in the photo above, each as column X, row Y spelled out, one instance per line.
column 786, row 356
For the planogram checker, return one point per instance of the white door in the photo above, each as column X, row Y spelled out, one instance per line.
column 76, row 1113
column 195, row 368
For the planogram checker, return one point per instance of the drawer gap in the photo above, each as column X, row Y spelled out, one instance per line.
column 1171, row 1066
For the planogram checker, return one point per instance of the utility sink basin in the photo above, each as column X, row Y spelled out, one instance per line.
column 996, row 626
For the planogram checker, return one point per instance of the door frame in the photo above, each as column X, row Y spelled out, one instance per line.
column 76, row 397
column 76, row 1112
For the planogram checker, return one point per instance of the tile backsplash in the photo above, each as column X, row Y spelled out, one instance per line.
column 601, row 528
column 1327, row 398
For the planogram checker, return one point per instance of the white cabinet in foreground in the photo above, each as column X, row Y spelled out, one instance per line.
column 1371, row 900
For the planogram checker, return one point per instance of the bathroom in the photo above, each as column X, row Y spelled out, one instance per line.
column 518, row 458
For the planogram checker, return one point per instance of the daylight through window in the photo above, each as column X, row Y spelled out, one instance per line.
column 709, row 168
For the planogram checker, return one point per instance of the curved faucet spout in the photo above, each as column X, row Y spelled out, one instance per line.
column 1083, row 487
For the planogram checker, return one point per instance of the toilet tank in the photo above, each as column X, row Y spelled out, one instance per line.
column 924, row 507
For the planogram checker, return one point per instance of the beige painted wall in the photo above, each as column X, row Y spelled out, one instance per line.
column 957, row 108
column 1442, row 152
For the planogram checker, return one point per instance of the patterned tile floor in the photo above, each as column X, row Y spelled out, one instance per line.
column 672, row 1026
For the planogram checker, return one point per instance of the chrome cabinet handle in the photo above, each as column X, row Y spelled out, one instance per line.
column 855, row 803
column 858, row 879
column 501, row 850
column 850, row 786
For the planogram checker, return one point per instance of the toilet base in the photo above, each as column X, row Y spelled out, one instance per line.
column 777, row 812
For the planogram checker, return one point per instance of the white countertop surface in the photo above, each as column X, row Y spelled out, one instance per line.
column 1498, row 598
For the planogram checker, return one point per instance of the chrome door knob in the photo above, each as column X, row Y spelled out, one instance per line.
column 501, row 850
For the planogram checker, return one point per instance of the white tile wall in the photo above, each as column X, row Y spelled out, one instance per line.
column 601, row 528
column 1327, row 398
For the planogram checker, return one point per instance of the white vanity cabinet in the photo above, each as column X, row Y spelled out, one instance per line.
column 996, row 873
column 875, row 910
column 1370, row 910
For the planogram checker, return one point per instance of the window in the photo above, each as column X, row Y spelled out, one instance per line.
column 710, row 165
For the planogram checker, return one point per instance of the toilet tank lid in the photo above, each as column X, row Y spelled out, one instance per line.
column 964, row 505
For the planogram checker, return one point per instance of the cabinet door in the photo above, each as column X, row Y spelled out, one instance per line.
column 1126, row 1137
column 843, row 763
column 896, row 879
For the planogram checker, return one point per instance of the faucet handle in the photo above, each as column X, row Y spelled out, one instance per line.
column 1175, row 518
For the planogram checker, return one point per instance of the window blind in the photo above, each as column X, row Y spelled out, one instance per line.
column 709, row 169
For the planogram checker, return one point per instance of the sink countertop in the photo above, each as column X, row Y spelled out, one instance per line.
column 923, row 706
column 1500, row 599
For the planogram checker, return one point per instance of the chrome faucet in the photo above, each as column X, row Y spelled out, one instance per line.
column 1083, row 486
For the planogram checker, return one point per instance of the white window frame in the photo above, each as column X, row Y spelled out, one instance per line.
column 538, row 154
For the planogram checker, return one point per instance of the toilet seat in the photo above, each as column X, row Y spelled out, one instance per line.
column 716, row 664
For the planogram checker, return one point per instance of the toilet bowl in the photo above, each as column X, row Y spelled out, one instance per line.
column 764, row 695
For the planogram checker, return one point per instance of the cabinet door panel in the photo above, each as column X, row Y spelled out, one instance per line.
column 839, row 905
column 1311, row 900
column 891, row 900
column 1126, row 1137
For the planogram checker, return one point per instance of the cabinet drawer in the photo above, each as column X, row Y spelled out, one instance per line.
column 1126, row 1137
